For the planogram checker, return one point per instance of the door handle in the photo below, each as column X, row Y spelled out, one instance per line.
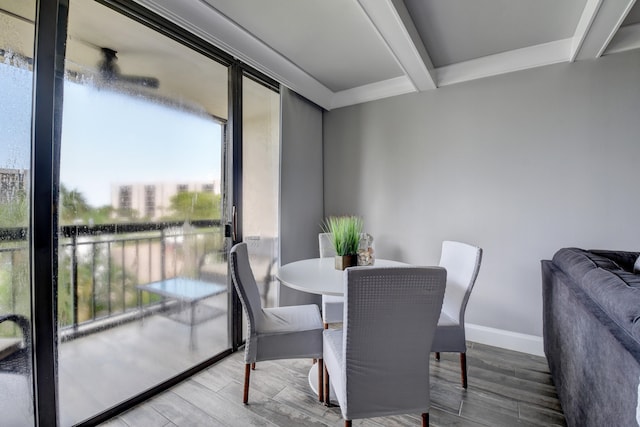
column 234, row 224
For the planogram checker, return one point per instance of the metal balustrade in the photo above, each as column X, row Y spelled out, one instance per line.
column 100, row 266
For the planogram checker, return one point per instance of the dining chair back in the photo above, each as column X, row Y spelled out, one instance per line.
column 276, row 332
column 16, row 360
column 375, row 363
column 462, row 262
column 325, row 245
column 332, row 306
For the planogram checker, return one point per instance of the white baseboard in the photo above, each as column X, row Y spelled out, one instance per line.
column 516, row 341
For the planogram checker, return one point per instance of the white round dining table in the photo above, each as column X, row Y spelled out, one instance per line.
column 319, row 275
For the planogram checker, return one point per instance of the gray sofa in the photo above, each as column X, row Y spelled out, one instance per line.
column 591, row 302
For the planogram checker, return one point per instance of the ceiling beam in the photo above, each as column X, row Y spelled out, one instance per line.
column 373, row 91
column 505, row 62
column 394, row 24
column 627, row 38
column 604, row 24
column 589, row 13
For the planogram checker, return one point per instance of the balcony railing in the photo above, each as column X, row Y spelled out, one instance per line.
column 100, row 267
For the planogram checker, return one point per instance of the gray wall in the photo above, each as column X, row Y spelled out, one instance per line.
column 301, row 204
column 520, row 164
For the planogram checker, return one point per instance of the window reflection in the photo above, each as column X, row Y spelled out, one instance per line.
column 16, row 53
column 142, row 140
column 260, row 182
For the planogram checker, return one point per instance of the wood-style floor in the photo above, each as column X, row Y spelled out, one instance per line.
column 506, row 388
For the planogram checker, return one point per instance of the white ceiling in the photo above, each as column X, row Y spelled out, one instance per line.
column 343, row 52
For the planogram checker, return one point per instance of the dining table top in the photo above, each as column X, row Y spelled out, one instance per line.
column 319, row 275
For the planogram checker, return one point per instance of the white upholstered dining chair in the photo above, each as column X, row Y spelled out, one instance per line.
column 375, row 363
column 332, row 306
column 462, row 262
column 274, row 333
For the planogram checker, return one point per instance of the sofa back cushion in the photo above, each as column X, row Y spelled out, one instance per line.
column 607, row 277
column 624, row 259
column 618, row 298
column 577, row 262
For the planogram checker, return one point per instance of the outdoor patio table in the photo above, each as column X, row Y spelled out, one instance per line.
column 188, row 291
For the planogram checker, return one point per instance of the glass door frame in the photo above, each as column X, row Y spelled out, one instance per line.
column 48, row 75
column 49, row 56
column 237, row 72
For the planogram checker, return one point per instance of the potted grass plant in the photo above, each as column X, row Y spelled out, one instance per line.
column 345, row 237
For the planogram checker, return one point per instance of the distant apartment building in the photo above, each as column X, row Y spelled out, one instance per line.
column 153, row 200
column 12, row 183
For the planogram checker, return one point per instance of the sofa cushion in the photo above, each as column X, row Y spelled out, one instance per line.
column 615, row 296
column 608, row 278
column 577, row 262
column 636, row 266
column 624, row 259
column 631, row 279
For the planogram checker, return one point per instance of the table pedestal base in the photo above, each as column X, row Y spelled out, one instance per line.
column 313, row 383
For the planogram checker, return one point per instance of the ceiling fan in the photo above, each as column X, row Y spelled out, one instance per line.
column 110, row 72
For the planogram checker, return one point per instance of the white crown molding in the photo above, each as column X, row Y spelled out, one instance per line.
column 393, row 23
column 506, row 62
column 373, row 91
column 604, row 26
column 627, row 38
column 589, row 13
column 207, row 23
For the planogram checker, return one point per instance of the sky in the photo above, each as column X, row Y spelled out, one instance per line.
column 111, row 137
column 15, row 117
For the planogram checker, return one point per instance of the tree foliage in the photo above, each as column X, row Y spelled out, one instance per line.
column 75, row 208
column 16, row 212
column 73, row 205
column 192, row 205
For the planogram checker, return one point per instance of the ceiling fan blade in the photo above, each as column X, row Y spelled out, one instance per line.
column 150, row 82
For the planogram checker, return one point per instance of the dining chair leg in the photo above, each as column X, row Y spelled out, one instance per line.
column 247, row 374
column 425, row 419
column 326, row 325
column 347, row 423
column 463, row 369
column 253, row 366
column 327, row 387
column 320, row 380
column 437, row 355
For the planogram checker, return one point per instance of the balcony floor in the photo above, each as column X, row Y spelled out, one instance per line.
column 102, row 369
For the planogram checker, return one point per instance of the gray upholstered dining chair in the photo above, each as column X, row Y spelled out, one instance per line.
column 332, row 306
column 16, row 361
column 274, row 333
column 375, row 363
column 462, row 262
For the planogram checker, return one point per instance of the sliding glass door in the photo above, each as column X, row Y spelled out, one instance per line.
column 150, row 141
column 16, row 77
column 142, row 277
column 261, row 183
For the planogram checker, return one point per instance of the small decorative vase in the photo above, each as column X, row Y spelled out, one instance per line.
column 344, row 261
column 365, row 250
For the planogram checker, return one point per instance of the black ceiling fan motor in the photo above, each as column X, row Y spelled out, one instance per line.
column 110, row 71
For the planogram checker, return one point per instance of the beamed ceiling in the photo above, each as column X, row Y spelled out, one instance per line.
column 343, row 52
